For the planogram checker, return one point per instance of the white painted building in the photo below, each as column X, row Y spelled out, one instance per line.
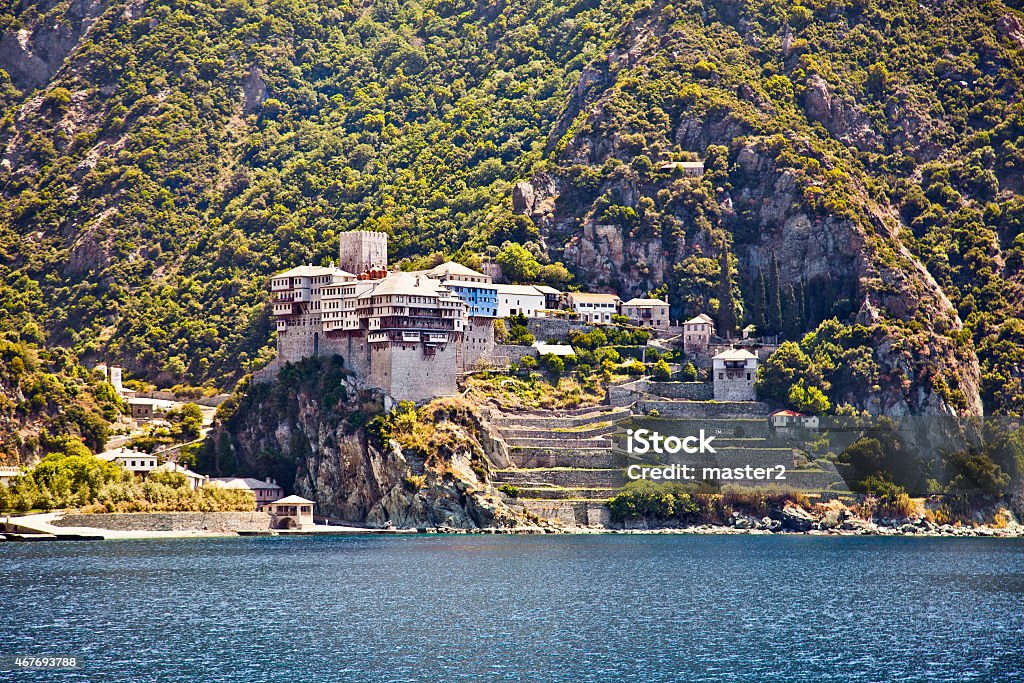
column 592, row 307
column 790, row 420
column 520, row 300
column 7, row 473
column 134, row 461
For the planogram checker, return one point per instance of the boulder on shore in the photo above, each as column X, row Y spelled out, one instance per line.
column 795, row 518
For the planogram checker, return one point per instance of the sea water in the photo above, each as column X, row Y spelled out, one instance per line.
column 517, row 608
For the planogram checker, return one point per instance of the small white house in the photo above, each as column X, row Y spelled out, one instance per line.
column 7, row 473
column 593, row 308
column 134, row 461
column 789, row 420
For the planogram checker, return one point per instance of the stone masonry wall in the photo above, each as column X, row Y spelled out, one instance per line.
column 409, row 375
column 703, row 410
column 513, row 352
column 477, row 342
column 690, row 391
column 555, row 328
column 170, row 521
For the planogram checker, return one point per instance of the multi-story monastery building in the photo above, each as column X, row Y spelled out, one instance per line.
column 407, row 333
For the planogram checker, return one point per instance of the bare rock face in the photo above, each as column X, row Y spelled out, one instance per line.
column 523, row 197
column 839, row 117
column 1009, row 26
column 254, row 91
column 536, row 197
column 33, row 54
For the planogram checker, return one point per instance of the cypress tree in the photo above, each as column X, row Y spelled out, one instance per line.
column 758, row 305
column 791, row 326
column 726, row 303
column 774, row 315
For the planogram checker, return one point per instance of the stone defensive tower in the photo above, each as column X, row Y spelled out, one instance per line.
column 361, row 250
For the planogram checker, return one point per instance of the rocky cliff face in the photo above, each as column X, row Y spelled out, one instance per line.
column 32, row 53
column 315, row 432
column 780, row 186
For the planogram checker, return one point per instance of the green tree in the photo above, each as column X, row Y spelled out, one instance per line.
column 808, row 399
column 782, row 370
column 774, row 315
column 661, row 371
column 517, row 263
column 726, row 302
column 688, row 373
column 553, row 364
column 759, row 305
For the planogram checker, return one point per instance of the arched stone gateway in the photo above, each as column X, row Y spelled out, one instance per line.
column 287, row 523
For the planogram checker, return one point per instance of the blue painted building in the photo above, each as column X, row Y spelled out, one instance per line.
column 475, row 288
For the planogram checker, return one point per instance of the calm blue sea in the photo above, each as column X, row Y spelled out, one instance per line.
column 518, row 608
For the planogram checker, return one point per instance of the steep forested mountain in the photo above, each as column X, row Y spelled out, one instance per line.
column 161, row 158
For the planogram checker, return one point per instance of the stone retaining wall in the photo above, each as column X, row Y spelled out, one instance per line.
column 514, row 352
column 598, row 442
column 690, row 391
column 570, row 513
column 550, row 432
column 170, row 521
column 557, row 457
column 569, row 478
column 555, row 328
column 553, row 421
column 703, row 410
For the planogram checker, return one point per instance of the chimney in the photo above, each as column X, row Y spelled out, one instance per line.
column 269, row 480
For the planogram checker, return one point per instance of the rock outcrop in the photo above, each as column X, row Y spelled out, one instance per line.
column 314, row 431
column 32, row 54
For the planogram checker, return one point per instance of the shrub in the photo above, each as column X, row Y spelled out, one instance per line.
column 761, row 501
column 661, row 502
column 661, row 371
column 509, row 490
column 688, row 373
column 414, row 482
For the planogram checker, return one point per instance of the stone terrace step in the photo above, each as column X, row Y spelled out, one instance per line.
column 598, row 443
column 556, row 419
column 589, row 458
column 559, row 493
column 562, row 477
column 587, row 431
